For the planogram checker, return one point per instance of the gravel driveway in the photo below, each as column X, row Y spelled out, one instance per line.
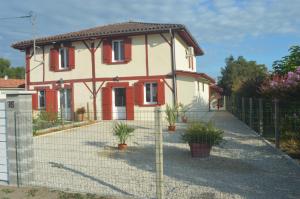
column 86, row 159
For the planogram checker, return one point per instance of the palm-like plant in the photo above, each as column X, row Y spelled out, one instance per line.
column 123, row 132
column 171, row 115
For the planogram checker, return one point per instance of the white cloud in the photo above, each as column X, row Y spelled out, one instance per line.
column 210, row 21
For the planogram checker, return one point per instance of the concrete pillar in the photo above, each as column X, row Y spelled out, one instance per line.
column 19, row 137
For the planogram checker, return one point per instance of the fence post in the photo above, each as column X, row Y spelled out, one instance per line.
column 243, row 110
column 261, row 116
column 159, row 153
column 88, row 111
column 250, row 112
column 277, row 136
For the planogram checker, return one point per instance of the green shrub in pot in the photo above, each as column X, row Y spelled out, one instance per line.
column 201, row 137
column 123, row 132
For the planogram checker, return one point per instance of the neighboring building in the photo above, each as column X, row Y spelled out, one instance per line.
column 118, row 69
column 7, row 84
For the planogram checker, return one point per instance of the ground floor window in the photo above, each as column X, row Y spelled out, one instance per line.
column 150, row 93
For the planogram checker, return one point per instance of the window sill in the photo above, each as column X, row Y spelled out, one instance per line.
column 118, row 62
column 63, row 70
column 149, row 105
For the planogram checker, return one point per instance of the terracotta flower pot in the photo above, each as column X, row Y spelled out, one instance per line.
column 184, row 119
column 200, row 150
column 122, row 147
column 172, row 128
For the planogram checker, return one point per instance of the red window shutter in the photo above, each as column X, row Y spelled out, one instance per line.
column 127, row 49
column 129, row 103
column 71, row 57
column 106, row 103
column 107, row 51
column 54, row 59
column 35, row 101
column 51, row 101
column 139, row 93
column 160, row 93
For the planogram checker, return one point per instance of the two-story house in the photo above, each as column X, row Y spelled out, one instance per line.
column 117, row 69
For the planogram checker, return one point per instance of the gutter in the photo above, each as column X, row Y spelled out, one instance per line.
column 173, row 65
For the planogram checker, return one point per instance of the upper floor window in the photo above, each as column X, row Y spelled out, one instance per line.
column 41, row 99
column 118, row 50
column 63, row 58
column 150, row 93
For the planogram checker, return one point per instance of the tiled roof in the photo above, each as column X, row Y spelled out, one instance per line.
column 12, row 83
column 125, row 28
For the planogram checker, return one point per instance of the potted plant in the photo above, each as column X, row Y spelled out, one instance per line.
column 171, row 117
column 183, row 109
column 80, row 113
column 123, row 132
column 201, row 137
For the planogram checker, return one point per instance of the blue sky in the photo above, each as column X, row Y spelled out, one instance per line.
column 260, row 30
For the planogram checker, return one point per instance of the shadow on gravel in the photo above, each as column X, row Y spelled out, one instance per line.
column 69, row 169
column 222, row 173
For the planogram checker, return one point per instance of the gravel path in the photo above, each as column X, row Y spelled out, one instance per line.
column 86, row 159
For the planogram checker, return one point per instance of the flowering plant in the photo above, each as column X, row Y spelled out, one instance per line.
column 282, row 86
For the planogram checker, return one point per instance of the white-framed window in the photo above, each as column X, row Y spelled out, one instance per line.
column 118, row 50
column 41, row 99
column 150, row 93
column 202, row 86
column 63, row 58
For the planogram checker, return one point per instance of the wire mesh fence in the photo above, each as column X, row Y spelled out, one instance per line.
column 86, row 156
column 276, row 120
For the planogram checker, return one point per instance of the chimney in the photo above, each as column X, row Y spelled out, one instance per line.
column 5, row 77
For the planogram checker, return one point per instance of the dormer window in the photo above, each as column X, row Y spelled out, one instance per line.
column 63, row 58
column 118, row 50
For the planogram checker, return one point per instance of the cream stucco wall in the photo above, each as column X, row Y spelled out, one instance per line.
column 159, row 63
column 159, row 60
column 189, row 95
column 182, row 61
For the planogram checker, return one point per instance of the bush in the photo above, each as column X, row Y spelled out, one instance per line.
column 47, row 116
column 123, row 132
column 80, row 110
column 203, row 133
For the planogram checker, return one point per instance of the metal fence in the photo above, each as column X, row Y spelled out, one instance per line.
column 83, row 156
column 273, row 119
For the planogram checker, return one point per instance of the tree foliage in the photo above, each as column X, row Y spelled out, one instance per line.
column 288, row 63
column 239, row 75
column 11, row 72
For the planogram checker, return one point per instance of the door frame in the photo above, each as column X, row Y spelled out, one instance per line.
column 107, row 113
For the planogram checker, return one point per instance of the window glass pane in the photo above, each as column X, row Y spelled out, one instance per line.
column 62, row 58
column 122, row 56
column 68, row 97
column 42, row 99
column 116, row 50
column 154, row 92
column 120, row 97
column 66, row 57
column 148, row 94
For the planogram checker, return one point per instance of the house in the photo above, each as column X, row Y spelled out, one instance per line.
column 116, row 70
column 7, row 85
